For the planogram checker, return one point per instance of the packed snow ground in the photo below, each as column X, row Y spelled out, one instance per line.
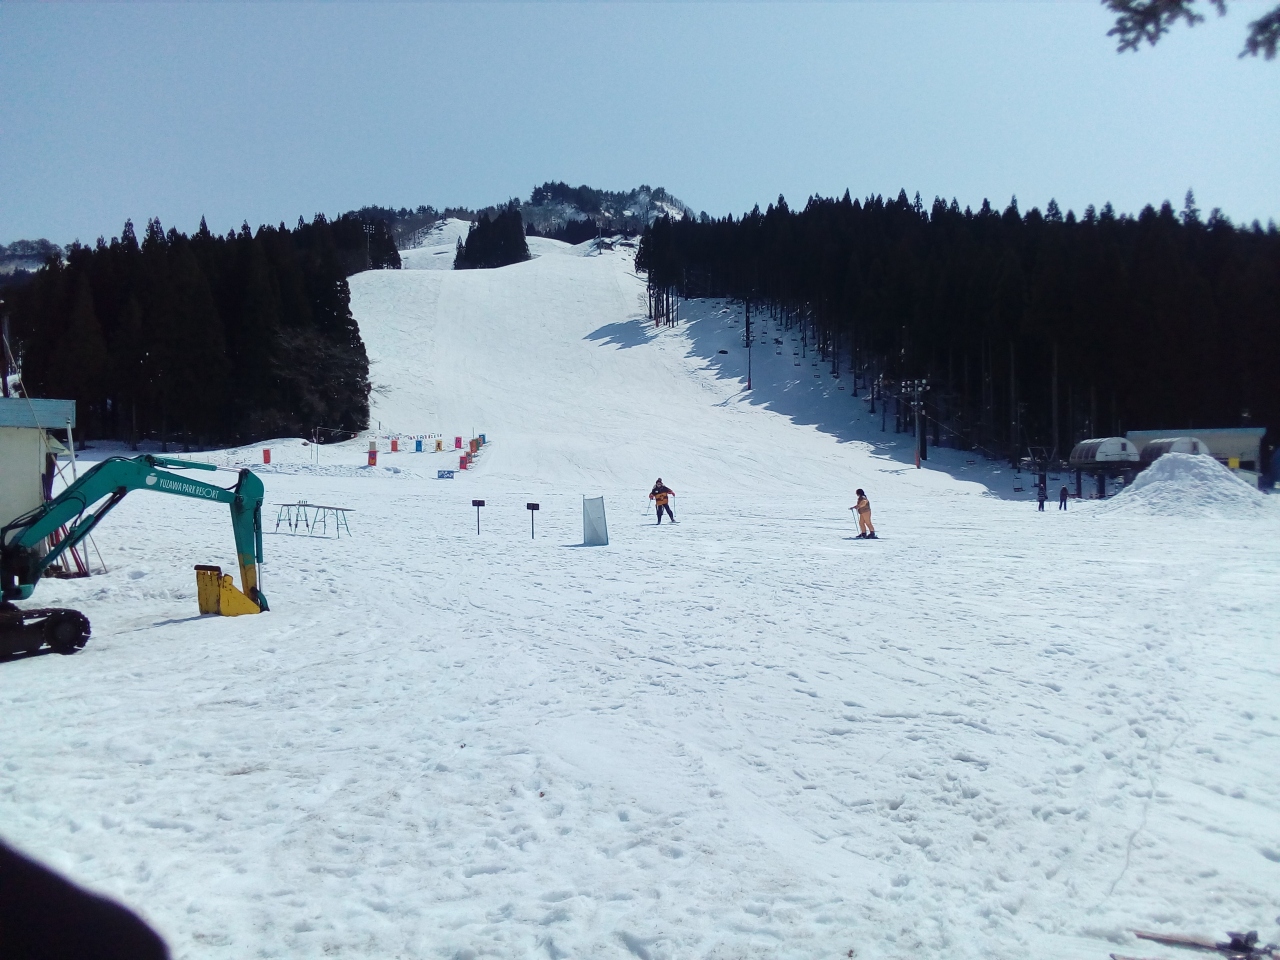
column 993, row 733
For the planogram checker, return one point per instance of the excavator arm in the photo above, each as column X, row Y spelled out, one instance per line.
column 89, row 499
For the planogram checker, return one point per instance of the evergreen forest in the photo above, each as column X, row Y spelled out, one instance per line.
column 203, row 339
column 495, row 242
column 1033, row 331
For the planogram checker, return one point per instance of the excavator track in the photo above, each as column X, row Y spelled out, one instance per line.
column 29, row 631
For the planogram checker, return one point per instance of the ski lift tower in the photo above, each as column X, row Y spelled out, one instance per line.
column 916, row 389
column 1038, row 463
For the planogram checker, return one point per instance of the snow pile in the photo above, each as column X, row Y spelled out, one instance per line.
column 1187, row 484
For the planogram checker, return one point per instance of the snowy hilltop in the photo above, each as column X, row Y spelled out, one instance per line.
column 553, row 205
column 554, row 210
column 26, row 256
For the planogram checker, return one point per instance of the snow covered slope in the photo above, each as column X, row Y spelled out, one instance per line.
column 438, row 248
column 994, row 733
column 554, row 360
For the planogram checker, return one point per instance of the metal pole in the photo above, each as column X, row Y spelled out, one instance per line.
column 4, row 350
column 915, row 409
column 71, row 442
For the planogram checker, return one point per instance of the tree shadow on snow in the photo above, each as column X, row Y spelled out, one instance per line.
column 808, row 393
column 790, row 378
column 623, row 335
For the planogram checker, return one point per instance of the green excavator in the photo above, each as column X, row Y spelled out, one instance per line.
column 30, row 544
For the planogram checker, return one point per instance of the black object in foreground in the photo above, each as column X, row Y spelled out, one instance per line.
column 45, row 917
column 531, row 507
column 1238, row 946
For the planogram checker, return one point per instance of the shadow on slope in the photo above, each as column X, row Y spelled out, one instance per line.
column 788, row 377
column 623, row 335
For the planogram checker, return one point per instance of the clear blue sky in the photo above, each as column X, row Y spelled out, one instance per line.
column 265, row 112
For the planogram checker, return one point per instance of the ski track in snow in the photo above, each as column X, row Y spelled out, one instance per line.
column 994, row 733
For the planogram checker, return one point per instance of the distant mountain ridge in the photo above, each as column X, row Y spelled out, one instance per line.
column 556, row 204
column 553, row 209
column 26, row 256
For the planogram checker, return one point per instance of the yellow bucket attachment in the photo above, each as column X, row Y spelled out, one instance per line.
column 218, row 594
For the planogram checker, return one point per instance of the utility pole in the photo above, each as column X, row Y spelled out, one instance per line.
column 748, row 333
column 1053, row 454
column 1013, row 409
column 368, row 259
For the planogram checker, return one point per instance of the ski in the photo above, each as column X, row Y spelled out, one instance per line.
column 1121, row 956
column 1177, row 940
column 1238, row 946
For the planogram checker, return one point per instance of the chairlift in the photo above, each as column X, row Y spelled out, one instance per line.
column 1018, row 486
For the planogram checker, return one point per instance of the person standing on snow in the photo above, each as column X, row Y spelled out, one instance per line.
column 1062, row 498
column 866, row 529
column 1041, row 496
column 659, row 495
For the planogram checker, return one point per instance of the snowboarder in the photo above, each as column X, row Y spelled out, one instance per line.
column 866, row 529
column 1062, row 498
column 1041, row 496
column 659, row 495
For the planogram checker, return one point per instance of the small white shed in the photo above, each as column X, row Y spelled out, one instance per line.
column 26, row 450
column 1105, row 450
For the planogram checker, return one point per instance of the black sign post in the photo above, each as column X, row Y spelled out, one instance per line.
column 477, row 504
column 532, row 508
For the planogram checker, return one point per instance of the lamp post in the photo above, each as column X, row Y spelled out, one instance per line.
column 368, row 258
column 917, row 389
